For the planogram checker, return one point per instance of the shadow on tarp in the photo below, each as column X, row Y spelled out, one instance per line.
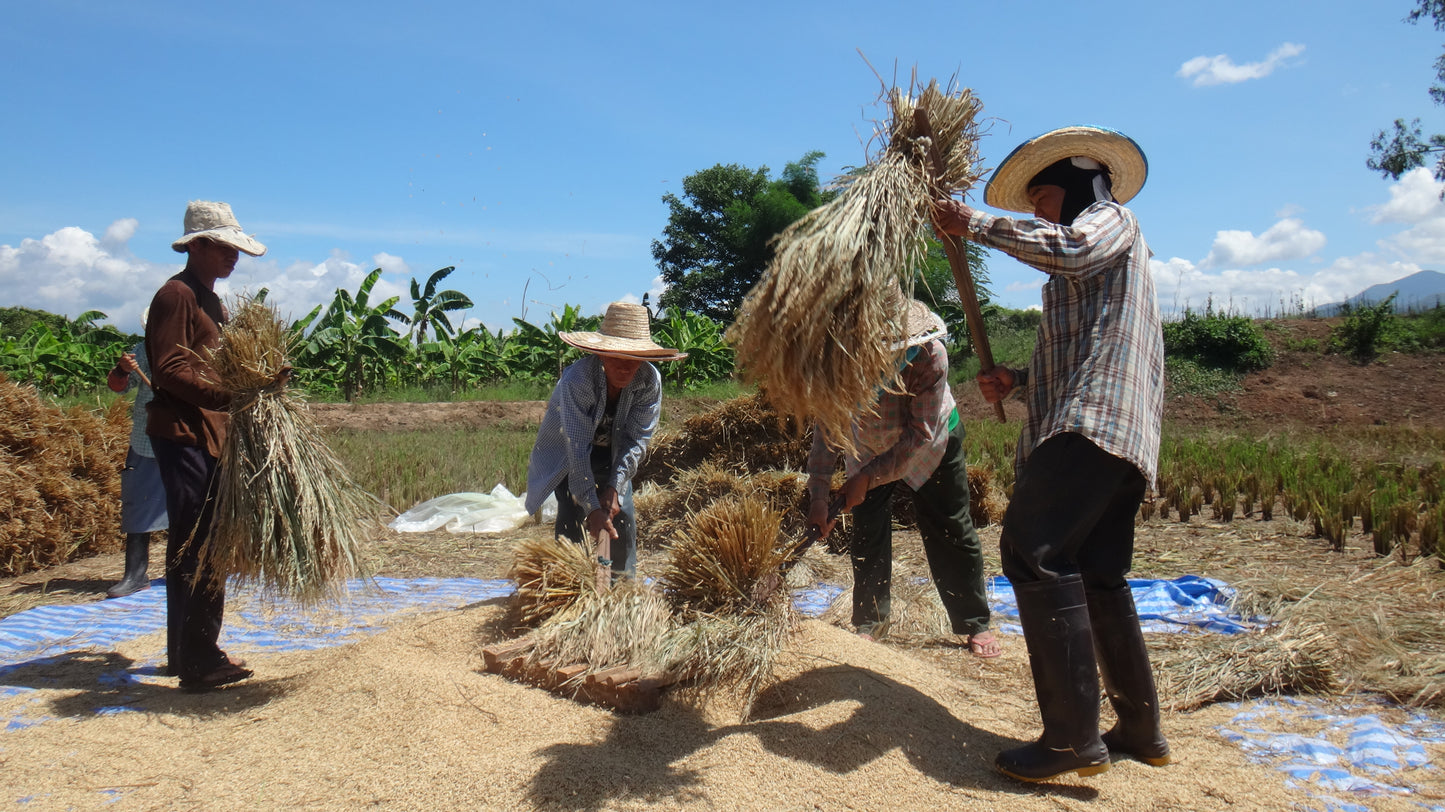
column 103, row 683
column 637, row 760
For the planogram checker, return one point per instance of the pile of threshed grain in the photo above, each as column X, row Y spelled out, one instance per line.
column 1376, row 628
column 59, row 479
column 818, row 331
column 288, row 517
column 715, row 621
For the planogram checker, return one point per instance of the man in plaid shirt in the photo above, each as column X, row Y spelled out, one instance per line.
column 913, row 437
column 1095, row 394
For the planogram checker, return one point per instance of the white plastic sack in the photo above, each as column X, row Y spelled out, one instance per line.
column 495, row 512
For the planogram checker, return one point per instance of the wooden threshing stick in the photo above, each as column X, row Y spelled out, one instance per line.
column 958, row 261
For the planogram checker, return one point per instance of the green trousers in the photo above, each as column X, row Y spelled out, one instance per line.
column 950, row 541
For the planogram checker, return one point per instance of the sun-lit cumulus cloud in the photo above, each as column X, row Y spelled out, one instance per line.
column 70, row 271
column 1415, row 198
column 1181, row 285
column 1221, row 70
column 1286, row 240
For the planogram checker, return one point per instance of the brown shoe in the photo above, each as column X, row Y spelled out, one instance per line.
column 224, row 674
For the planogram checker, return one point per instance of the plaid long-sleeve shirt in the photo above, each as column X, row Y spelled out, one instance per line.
column 906, row 439
column 1098, row 366
column 564, row 440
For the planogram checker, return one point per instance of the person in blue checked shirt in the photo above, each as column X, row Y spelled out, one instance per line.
column 1089, row 450
column 599, row 420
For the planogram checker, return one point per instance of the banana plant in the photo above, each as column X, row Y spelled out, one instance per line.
column 354, row 340
column 709, row 358
column 430, row 307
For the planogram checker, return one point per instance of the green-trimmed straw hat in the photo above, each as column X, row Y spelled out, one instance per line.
column 1008, row 186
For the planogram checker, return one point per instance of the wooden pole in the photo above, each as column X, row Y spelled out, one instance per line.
column 958, row 261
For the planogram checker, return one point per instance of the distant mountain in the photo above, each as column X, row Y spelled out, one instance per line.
column 1418, row 291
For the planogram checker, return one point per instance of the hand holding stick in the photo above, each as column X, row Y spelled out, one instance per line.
column 958, row 262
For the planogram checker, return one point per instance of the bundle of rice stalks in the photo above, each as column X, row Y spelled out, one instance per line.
column 1293, row 658
column 727, row 561
column 288, row 516
column 59, row 479
column 742, row 435
column 628, row 625
column 552, row 575
column 664, row 512
column 817, row 331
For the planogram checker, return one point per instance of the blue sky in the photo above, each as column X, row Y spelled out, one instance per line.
column 531, row 146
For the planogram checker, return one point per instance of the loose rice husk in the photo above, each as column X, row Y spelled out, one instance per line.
column 289, row 517
column 818, row 331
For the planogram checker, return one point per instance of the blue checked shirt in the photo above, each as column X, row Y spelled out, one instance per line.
column 564, row 441
column 140, row 442
column 1098, row 366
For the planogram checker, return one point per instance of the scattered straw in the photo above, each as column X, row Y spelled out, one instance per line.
column 288, row 517
column 817, row 331
column 1195, row 670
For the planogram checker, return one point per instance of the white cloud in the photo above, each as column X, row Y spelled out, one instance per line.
column 1414, row 199
column 1221, row 70
column 1181, row 284
column 69, row 272
column 1286, row 240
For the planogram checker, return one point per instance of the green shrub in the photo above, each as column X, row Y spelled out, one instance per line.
column 1218, row 341
column 1185, row 376
column 1367, row 331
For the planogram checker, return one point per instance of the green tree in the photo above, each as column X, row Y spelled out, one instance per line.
column 430, row 307
column 718, row 235
column 1404, row 147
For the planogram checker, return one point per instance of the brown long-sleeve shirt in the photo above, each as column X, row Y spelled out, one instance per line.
column 184, row 322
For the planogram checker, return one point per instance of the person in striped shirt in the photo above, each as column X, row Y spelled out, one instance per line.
column 1088, row 452
column 911, row 437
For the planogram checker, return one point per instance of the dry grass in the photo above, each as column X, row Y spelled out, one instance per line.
column 288, row 517
column 59, row 479
column 1374, row 628
column 817, row 331
column 742, row 435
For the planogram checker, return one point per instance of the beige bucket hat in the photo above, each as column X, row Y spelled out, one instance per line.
column 624, row 334
column 921, row 324
column 214, row 221
column 1008, row 186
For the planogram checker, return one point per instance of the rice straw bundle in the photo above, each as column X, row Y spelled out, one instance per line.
column 628, row 625
column 731, row 654
column 817, row 331
column 288, row 515
column 552, row 574
column 1295, row 658
column 726, row 560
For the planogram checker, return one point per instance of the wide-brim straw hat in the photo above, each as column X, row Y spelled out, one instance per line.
column 625, row 333
column 921, row 325
column 1008, row 187
column 213, row 220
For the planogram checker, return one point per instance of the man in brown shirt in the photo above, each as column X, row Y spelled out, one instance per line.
column 187, row 424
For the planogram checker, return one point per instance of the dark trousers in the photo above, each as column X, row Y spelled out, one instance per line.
column 1072, row 512
column 571, row 521
column 950, row 541
column 195, row 600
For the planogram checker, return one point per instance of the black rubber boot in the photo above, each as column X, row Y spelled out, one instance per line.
column 1055, row 620
column 137, row 561
column 1128, row 679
